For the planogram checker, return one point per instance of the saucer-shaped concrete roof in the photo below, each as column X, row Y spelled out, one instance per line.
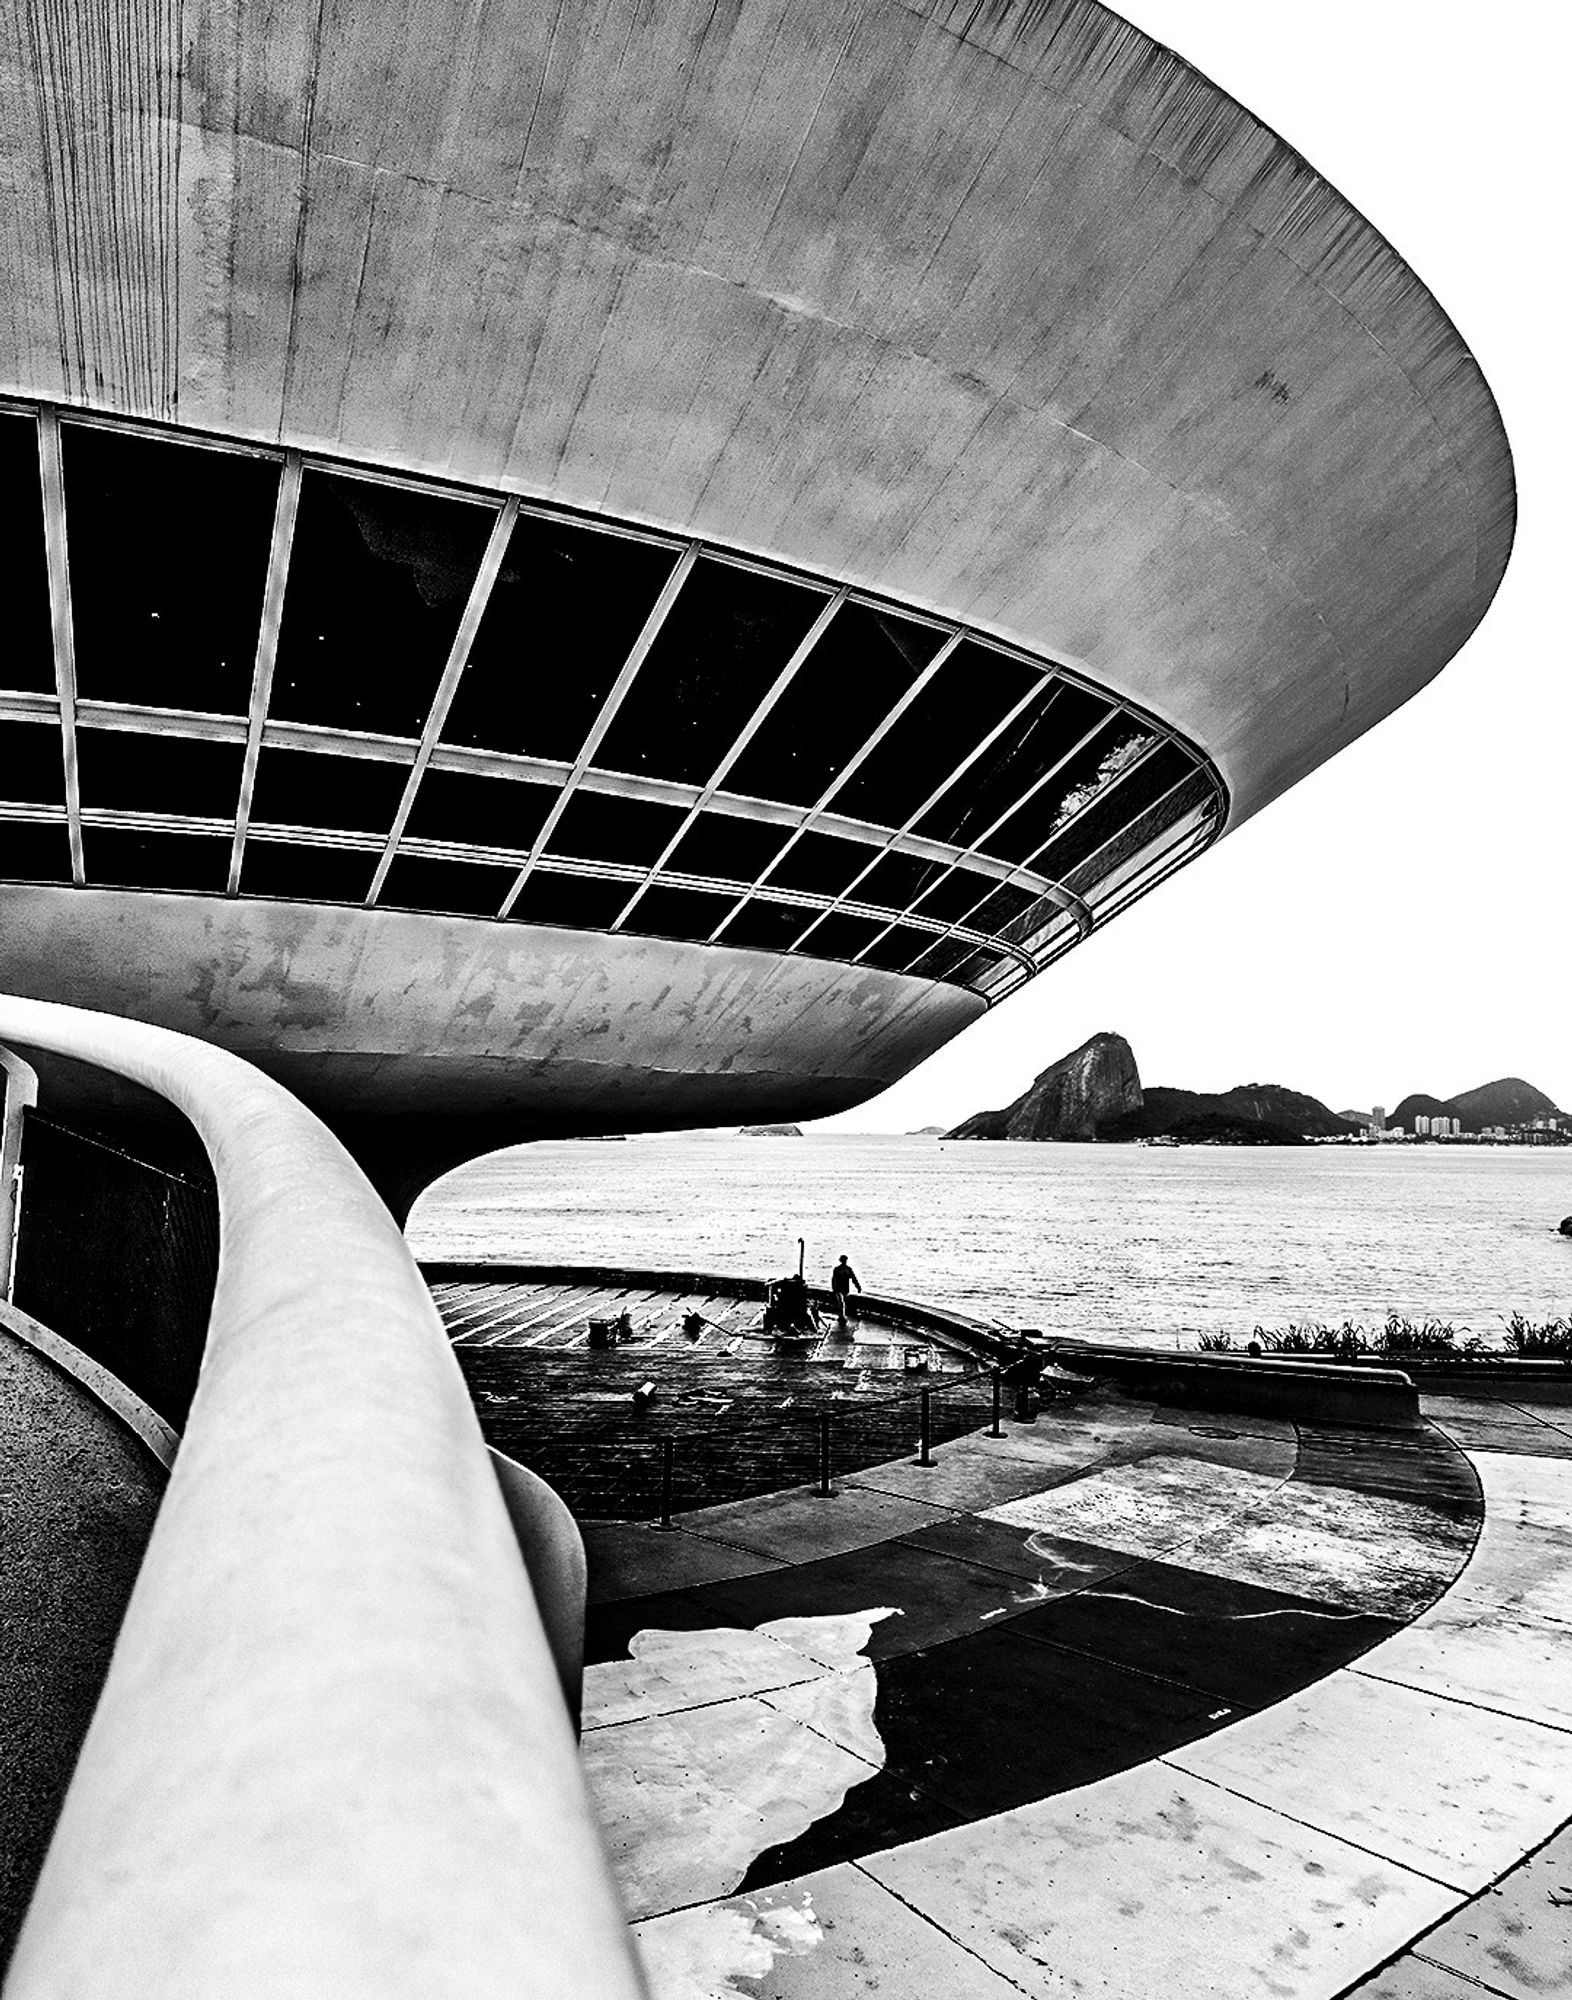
column 618, row 566
column 1002, row 311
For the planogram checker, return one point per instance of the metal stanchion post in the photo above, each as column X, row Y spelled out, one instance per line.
column 826, row 1491
column 925, row 1434
column 998, row 1404
column 668, row 1454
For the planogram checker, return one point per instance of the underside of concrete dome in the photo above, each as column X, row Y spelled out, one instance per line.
column 610, row 568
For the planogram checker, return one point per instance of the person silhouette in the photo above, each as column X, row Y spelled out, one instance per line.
column 842, row 1278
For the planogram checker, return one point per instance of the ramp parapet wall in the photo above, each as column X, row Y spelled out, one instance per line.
column 332, row 1756
column 1318, row 1392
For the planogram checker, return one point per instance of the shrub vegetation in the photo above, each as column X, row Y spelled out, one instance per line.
column 1400, row 1337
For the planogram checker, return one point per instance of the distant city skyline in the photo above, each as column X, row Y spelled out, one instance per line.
column 1397, row 923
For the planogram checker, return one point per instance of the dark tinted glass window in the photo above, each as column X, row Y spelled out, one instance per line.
column 558, row 627
column 733, row 850
column 678, row 913
column 1141, row 830
column 169, row 553
column 303, row 788
column 597, row 827
column 851, row 680
column 821, row 863
column 378, row 580
column 32, row 768
column 31, row 853
column 574, row 902
column 1120, row 793
column 724, row 640
column 120, row 858
column 897, row 880
column 946, row 960
column 983, row 971
column 481, row 812
column 841, row 936
column 136, row 771
column 895, row 951
column 949, row 896
column 1029, row 927
column 1032, row 744
column 305, row 874
column 971, row 693
column 767, row 926
column 1153, row 846
column 994, row 909
column 27, row 655
column 1027, row 831
column 467, row 888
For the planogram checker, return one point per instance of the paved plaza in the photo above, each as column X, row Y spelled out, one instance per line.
column 1127, row 1702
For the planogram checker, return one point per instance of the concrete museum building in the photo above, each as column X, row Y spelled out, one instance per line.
column 589, row 568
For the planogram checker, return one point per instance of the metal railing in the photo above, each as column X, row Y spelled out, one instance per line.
column 119, row 1256
column 332, row 1756
column 640, row 1466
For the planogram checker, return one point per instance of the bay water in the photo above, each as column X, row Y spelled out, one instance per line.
column 1143, row 1244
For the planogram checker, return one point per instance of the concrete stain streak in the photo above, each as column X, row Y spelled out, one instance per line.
column 1228, row 1617
column 103, row 85
column 298, row 255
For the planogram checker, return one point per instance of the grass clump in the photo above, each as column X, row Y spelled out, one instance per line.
column 1544, row 1340
column 1406, row 1339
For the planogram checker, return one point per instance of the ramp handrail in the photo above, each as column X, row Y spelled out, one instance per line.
column 332, row 1756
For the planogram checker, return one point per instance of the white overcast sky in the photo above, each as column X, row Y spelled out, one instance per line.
column 1401, row 920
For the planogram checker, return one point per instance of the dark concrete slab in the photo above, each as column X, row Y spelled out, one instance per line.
column 966, row 1476
column 887, row 1811
column 609, row 1627
column 998, row 1720
column 797, row 1526
column 1242, row 1644
column 1367, row 1552
column 1240, row 1423
column 934, row 1597
column 1054, row 1563
column 1525, row 1437
column 1422, row 1465
column 627, row 1559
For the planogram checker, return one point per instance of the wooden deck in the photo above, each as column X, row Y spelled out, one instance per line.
column 514, row 1313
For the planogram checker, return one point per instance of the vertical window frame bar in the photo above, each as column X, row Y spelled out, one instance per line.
column 1028, row 865
column 1111, row 715
column 750, row 729
column 671, row 589
column 286, row 509
column 51, row 475
column 933, row 798
column 844, row 776
column 452, row 673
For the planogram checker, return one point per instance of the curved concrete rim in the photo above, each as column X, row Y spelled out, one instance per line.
column 145, row 1424
column 332, row 1755
column 1003, row 312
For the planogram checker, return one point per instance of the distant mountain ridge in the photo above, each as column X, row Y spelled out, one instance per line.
column 1249, row 1114
column 1095, row 1092
column 1419, row 1106
column 1072, row 1098
column 1507, row 1101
